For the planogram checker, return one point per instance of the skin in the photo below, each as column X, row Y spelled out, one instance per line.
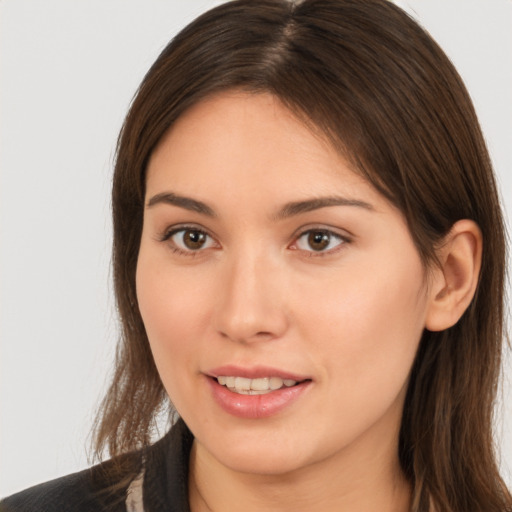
column 349, row 317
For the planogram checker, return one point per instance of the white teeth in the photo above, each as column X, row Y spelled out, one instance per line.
column 260, row 384
column 275, row 383
column 257, row 386
column 242, row 383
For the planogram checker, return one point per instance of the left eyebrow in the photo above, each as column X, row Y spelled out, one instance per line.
column 298, row 207
column 186, row 203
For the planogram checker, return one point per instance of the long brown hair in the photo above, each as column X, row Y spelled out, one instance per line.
column 387, row 97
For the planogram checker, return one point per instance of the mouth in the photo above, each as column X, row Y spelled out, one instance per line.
column 256, row 392
column 258, row 386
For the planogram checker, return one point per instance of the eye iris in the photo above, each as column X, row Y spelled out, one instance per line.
column 318, row 240
column 194, row 239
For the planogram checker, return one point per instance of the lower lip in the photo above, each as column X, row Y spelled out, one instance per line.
column 256, row 406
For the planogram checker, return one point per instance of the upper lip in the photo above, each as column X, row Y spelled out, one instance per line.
column 254, row 372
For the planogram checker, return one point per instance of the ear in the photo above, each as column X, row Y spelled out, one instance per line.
column 453, row 282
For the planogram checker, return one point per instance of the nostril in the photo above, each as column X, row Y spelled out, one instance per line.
column 258, row 336
column 247, row 322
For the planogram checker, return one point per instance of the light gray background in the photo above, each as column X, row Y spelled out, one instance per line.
column 68, row 72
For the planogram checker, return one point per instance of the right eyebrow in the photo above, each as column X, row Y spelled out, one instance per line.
column 181, row 201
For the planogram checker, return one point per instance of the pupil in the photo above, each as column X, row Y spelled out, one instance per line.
column 318, row 240
column 194, row 239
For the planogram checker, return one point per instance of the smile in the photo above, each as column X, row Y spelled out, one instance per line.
column 256, row 392
column 259, row 386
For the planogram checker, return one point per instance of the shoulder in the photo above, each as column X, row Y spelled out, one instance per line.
column 104, row 488
column 55, row 495
column 100, row 488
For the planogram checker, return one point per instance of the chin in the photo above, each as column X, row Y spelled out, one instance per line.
column 270, row 462
column 273, row 451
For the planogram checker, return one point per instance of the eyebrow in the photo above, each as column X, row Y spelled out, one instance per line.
column 288, row 210
column 298, row 207
column 183, row 202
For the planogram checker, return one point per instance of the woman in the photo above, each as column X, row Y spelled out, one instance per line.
column 309, row 264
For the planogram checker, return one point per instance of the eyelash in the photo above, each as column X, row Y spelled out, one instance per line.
column 342, row 239
column 170, row 233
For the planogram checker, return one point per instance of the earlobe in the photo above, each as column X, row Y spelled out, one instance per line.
column 454, row 282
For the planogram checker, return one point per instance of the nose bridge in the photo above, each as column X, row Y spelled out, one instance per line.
column 250, row 307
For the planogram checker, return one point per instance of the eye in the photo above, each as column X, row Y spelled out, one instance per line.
column 190, row 239
column 318, row 240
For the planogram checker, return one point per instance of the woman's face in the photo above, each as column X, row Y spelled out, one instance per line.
column 266, row 263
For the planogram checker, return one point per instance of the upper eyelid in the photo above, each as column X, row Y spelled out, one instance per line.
column 176, row 228
column 328, row 231
column 341, row 237
column 343, row 233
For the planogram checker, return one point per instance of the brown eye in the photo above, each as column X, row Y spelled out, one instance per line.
column 190, row 240
column 319, row 240
column 194, row 239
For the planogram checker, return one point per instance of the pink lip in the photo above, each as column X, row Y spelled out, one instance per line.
column 255, row 372
column 255, row 406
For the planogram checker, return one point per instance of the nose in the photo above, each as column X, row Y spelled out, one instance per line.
column 251, row 303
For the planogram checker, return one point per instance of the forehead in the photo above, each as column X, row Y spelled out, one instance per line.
column 238, row 141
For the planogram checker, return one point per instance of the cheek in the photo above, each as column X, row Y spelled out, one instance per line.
column 165, row 306
column 172, row 310
column 367, row 327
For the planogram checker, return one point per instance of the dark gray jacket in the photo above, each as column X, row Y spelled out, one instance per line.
column 103, row 488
